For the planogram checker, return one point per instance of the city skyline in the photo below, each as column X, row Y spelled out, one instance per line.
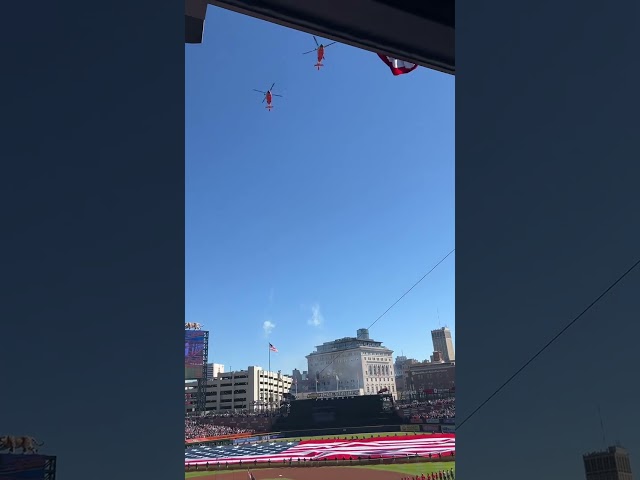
column 302, row 363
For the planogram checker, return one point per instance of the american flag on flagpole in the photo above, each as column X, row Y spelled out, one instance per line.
column 272, row 348
column 398, row 67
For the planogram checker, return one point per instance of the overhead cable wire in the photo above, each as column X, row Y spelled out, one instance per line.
column 548, row 344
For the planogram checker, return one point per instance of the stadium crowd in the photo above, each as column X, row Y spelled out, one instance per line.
column 445, row 409
column 442, row 402
column 197, row 428
column 237, row 413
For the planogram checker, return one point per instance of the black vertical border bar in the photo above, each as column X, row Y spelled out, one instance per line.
column 92, row 258
column 547, row 204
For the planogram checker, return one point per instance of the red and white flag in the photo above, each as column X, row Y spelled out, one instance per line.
column 421, row 445
column 398, row 67
column 251, row 477
column 273, row 349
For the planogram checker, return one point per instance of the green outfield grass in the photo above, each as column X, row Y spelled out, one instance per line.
column 406, row 468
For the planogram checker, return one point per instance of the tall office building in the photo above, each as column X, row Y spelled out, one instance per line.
column 611, row 464
column 401, row 364
column 443, row 343
column 297, row 376
column 251, row 389
column 214, row 369
column 352, row 363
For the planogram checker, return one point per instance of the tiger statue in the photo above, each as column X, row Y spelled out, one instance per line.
column 13, row 442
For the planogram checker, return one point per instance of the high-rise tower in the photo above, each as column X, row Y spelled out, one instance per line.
column 443, row 343
column 611, row 464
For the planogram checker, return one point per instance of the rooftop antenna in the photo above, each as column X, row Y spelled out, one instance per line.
column 604, row 438
column 438, row 313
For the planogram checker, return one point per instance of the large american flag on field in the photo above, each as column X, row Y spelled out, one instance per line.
column 335, row 449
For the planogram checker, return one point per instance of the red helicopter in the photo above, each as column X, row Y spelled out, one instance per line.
column 268, row 96
column 320, row 49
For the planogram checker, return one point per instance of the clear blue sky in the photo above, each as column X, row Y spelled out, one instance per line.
column 328, row 208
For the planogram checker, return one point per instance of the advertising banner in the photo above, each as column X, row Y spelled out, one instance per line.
column 430, row 428
column 449, row 421
column 432, row 420
column 448, row 428
column 238, row 441
column 331, row 394
column 409, row 428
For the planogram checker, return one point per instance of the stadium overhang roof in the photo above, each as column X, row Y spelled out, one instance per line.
column 418, row 32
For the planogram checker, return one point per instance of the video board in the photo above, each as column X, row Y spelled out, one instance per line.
column 14, row 467
column 195, row 353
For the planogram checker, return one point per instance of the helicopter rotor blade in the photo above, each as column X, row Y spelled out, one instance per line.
column 315, row 40
column 310, row 51
column 263, row 99
column 272, row 86
column 328, row 45
column 274, row 95
column 260, row 91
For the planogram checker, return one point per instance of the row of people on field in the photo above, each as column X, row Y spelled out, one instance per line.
column 440, row 475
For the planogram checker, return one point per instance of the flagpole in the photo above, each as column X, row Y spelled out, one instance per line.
column 269, row 380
